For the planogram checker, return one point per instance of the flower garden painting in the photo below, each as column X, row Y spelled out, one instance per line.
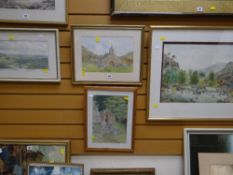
column 197, row 73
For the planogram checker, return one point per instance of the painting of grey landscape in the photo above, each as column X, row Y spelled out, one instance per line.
column 28, row 4
column 197, row 73
column 221, row 169
column 19, row 55
column 107, row 54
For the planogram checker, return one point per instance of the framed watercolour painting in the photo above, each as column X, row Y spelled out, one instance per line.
column 123, row 171
column 191, row 73
column 107, row 54
column 55, row 169
column 208, row 150
column 15, row 154
column 29, row 55
column 34, row 11
column 110, row 118
column 171, row 7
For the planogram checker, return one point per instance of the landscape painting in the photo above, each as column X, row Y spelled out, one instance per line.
column 107, row 54
column 24, row 55
column 54, row 169
column 197, row 73
column 110, row 118
column 221, row 169
column 28, row 4
column 14, row 157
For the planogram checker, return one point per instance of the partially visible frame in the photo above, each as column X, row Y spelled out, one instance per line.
column 42, row 11
column 52, row 169
column 215, row 163
column 15, row 154
column 205, row 140
column 30, row 55
column 187, row 80
column 107, row 54
column 171, row 7
column 110, row 118
column 123, row 171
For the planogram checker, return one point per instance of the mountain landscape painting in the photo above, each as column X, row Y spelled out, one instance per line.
column 28, row 4
column 107, row 54
column 197, row 73
column 23, row 54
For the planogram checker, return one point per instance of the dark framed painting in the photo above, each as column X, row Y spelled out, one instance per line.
column 190, row 76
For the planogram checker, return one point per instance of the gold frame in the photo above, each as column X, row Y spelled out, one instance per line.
column 174, row 7
column 124, row 171
column 79, row 78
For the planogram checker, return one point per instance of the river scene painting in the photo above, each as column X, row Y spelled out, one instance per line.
column 107, row 54
column 28, row 4
column 197, row 73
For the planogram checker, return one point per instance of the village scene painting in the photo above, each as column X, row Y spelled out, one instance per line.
column 107, row 54
column 23, row 55
column 197, row 73
column 28, row 4
column 109, row 119
column 54, row 170
column 14, row 157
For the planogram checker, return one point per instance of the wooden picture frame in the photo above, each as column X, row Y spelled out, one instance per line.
column 52, row 168
column 15, row 154
column 205, row 140
column 168, row 7
column 29, row 55
column 49, row 12
column 107, row 54
column 123, row 171
column 110, row 118
column 186, row 80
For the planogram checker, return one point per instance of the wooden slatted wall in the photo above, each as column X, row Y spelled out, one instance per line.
column 56, row 111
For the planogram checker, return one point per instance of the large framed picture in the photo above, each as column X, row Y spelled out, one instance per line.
column 171, row 7
column 190, row 76
column 15, row 154
column 208, row 149
column 29, row 55
column 34, row 11
column 55, row 169
column 123, row 171
column 110, row 118
column 107, row 54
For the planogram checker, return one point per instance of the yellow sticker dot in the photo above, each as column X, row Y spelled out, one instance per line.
column 62, row 151
column 97, row 39
column 162, row 38
column 93, row 138
column 212, row 8
column 155, row 105
column 45, row 70
column 126, row 98
column 83, row 72
column 11, row 37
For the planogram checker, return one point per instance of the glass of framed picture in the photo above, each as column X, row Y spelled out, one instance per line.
column 36, row 11
column 29, row 55
column 15, row 154
column 190, row 76
column 107, row 54
column 171, row 7
column 110, row 118
column 123, row 171
column 55, row 169
column 208, row 149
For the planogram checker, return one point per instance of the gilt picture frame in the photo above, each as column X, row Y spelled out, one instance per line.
column 36, row 11
column 110, row 118
column 107, row 54
column 29, row 55
column 16, row 154
column 171, row 7
column 187, row 80
column 123, row 171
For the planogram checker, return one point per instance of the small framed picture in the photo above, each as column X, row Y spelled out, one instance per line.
column 123, row 171
column 55, row 169
column 204, row 147
column 107, row 54
column 187, row 80
column 36, row 11
column 110, row 118
column 29, row 55
column 15, row 154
